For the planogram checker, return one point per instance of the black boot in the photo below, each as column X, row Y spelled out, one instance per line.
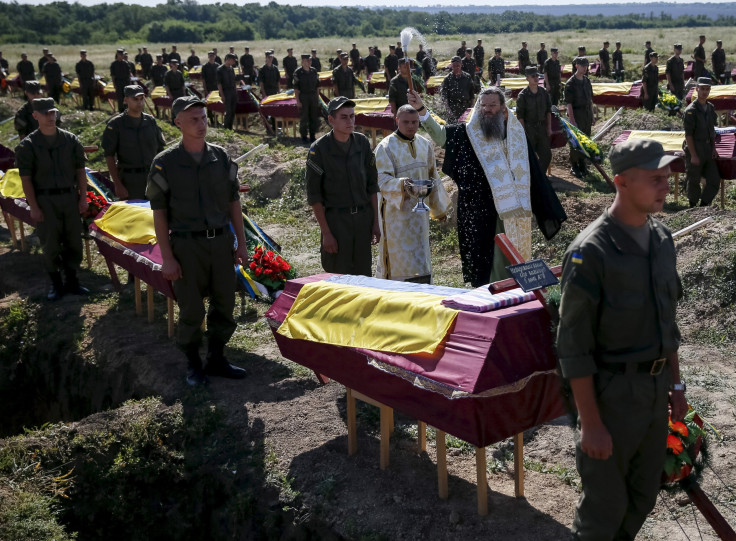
column 72, row 283
column 217, row 364
column 57, row 287
column 195, row 374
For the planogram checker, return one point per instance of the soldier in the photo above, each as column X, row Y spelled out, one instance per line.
column 289, row 63
column 718, row 58
column 429, row 66
column 131, row 66
column 138, row 56
column 44, row 58
column 336, row 60
column 51, row 166
column 316, row 62
column 391, row 64
column 400, row 51
column 699, row 57
column 192, row 60
column 158, row 71
column 194, row 227
column 268, row 77
column 461, row 50
column 24, row 122
column 377, row 51
column 355, row 59
column 164, row 55
column 174, row 55
column 247, row 63
column 52, row 74
column 496, row 67
column 553, row 76
column 371, row 61
column 618, row 63
column 174, row 81
column 146, row 63
column 217, row 58
column 700, row 153
column 648, row 52
column 306, row 92
column 523, row 56
column 579, row 99
column 25, row 69
column 421, row 54
column 87, row 82
column 534, row 111
column 468, row 64
column 344, row 80
column 479, row 55
column 541, row 56
column 227, row 88
column 120, row 72
column 604, row 57
column 130, row 141
column 457, row 90
column 675, row 72
column 341, row 189
column 399, row 86
column 650, row 83
column 209, row 73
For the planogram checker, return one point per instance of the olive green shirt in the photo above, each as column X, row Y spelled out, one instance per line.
column 533, row 108
column 618, row 301
column 50, row 165
column 699, row 122
column 134, row 142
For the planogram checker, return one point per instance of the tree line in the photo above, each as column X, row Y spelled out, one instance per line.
column 185, row 21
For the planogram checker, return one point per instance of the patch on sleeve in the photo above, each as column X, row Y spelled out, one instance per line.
column 233, row 172
column 158, row 166
column 576, row 257
column 316, row 168
column 161, row 182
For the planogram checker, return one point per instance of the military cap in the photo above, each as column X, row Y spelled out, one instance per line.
column 269, row 53
column 339, row 50
column 289, row 49
column 640, row 153
column 531, row 71
column 480, row 40
column 705, row 81
column 209, row 53
column 83, row 51
column 719, row 41
column 701, row 36
column 231, row 56
column 523, row 42
column 184, row 103
column 678, row 46
column 618, row 43
column 306, row 56
column 541, row 44
column 344, row 55
column 45, row 50
column 145, row 48
column 246, row 48
column 354, row 44
column 647, row 42
column 404, row 60
column 554, row 50
column 580, row 60
column 338, row 103
column 468, row 50
column 132, row 91
column 581, row 47
column 456, row 59
column 44, row 105
column 33, row 87
column 392, row 47
column 653, row 55
column 121, row 51
column 497, row 49
column 315, row 50
column 173, row 61
column 606, row 43
column 159, row 55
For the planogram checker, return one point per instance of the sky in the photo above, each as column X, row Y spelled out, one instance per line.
column 384, row 3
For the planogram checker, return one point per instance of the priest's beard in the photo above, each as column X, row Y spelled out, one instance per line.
column 493, row 126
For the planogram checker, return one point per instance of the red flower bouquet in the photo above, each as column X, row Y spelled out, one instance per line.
column 269, row 268
column 96, row 204
column 684, row 441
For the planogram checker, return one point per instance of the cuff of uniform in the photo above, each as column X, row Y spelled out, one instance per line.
column 313, row 200
column 425, row 116
column 578, row 367
column 25, row 172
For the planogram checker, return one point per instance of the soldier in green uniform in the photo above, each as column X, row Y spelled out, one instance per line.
column 534, row 111
column 605, row 59
column 468, row 66
column 120, row 72
column 51, row 166
column 391, row 63
column 650, row 82
column 422, row 54
column 541, row 56
column 553, row 76
column 461, row 50
column 457, row 91
column 496, row 67
column 617, row 343
column 174, row 81
column 247, row 63
column 226, row 87
column 718, row 59
column 174, row 55
column 316, row 62
column 429, row 66
column 193, row 189
column 209, row 73
column 87, row 84
column 268, row 77
column 699, row 58
column 479, row 55
column 25, row 69
column 675, row 72
column 344, row 79
column 342, row 183
column 306, row 85
column 146, row 63
column 372, row 63
column 355, row 59
column 24, row 121
column 52, row 73
column 44, row 58
column 399, row 86
column 700, row 154
column 618, row 63
column 647, row 52
column 523, row 56
column 579, row 99
column 289, row 63
column 158, row 71
column 131, row 140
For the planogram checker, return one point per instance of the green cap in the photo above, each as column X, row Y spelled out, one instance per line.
column 44, row 105
column 639, row 153
column 338, row 103
column 184, row 103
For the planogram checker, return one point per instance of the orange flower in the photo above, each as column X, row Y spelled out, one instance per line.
column 680, row 428
column 674, row 443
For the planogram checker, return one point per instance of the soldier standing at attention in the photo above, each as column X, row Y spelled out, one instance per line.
column 553, row 76
column 699, row 57
column 377, row 51
column 44, row 58
column 534, row 111
column 675, row 72
column 120, row 72
column 174, row 55
column 421, row 53
column 579, row 99
column 227, row 88
column 371, row 61
column 650, row 82
column 158, row 71
column 316, row 62
column 146, row 63
column 130, row 141
column 336, row 60
column 699, row 120
column 496, row 67
column 193, row 60
column 456, row 91
column 25, row 69
column 355, row 59
column 429, row 66
column 87, row 83
column 25, row 123
column 479, row 55
column 344, row 79
column 217, row 58
column 647, row 52
column 51, row 166
column 400, row 51
column 342, row 187
column 523, row 56
column 605, row 59
column 289, row 63
column 468, row 66
column 718, row 58
column 174, row 80
column 461, row 50
column 131, row 66
column 618, row 63
column 164, row 55
column 541, row 56
column 268, row 77
column 193, row 189
column 53, row 76
column 391, row 63
column 306, row 84
column 247, row 63
column 209, row 73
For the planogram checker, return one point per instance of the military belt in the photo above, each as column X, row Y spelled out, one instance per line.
column 134, row 169
column 54, row 191
column 347, row 210
column 208, row 233
column 653, row 368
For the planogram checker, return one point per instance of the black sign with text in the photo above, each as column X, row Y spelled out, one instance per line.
column 531, row 275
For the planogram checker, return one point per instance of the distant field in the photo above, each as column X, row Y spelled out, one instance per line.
column 444, row 47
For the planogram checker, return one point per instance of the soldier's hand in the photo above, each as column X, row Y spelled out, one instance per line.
column 241, row 254
column 121, row 192
column 595, row 441
column 694, row 159
column 329, row 243
column 36, row 214
column 170, row 269
column 83, row 205
column 376, row 234
column 298, row 104
column 414, row 99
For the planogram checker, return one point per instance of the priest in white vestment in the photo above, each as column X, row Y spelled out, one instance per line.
column 403, row 156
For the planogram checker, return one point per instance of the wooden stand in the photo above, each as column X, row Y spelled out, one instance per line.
column 285, row 124
column 10, row 222
column 387, row 425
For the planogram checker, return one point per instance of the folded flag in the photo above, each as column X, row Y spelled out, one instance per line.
column 482, row 300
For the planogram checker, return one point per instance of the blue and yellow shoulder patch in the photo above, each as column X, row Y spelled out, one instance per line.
column 576, row 257
column 158, row 166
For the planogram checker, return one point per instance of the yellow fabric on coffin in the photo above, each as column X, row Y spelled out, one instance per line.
column 671, row 140
column 606, row 89
column 370, row 105
column 368, row 318
column 128, row 223
column 721, row 91
column 11, row 185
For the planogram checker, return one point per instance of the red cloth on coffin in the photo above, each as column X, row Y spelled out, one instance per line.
column 383, row 120
column 720, row 104
column 495, row 352
column 244, row 105
column 631, row 100
column 377, row 80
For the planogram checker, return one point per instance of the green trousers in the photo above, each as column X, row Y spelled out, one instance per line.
column 60, row 232
column 584, row 119
column 208, row 270
column 135, row 183
column 537, row 136
column 309, row 115
column 353, row 234
column 708, row 169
